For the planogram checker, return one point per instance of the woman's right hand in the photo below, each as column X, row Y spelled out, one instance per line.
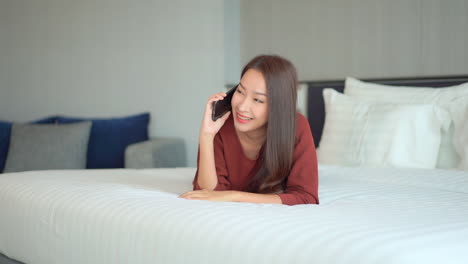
column 208, row 126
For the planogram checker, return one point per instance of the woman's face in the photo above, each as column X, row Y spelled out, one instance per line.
column 249, row 103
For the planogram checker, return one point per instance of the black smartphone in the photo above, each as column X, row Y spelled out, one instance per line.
column 221, row 107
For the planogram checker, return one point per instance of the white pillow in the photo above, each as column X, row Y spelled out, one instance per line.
column 444, row 97
column 359, row 133
column 460, row 135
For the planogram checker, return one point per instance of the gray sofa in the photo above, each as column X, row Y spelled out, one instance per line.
column 82, row 145
column 6, row 260
column 159, row 152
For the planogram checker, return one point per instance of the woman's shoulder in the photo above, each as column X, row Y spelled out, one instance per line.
column 303, row 130
column 302, row 123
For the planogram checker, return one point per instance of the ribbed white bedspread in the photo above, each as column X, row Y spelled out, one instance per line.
column 134, row 216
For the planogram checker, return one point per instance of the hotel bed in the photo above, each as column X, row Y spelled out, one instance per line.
column 366, row 215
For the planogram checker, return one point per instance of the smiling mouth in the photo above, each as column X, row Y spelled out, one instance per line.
column 242, row 117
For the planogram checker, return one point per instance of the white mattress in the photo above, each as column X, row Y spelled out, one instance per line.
column 134, row 216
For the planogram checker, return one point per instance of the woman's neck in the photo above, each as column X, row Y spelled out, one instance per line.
column 256, row 137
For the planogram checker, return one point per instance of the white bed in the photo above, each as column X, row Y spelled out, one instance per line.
column 379, row 215
column 134, row 216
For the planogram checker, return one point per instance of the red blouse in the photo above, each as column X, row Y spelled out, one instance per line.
column 235, row 170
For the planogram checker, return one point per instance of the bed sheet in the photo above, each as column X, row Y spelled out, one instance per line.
column 366, row 215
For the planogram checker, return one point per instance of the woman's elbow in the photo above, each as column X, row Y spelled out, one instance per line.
column 209, row 187
column 308, row 198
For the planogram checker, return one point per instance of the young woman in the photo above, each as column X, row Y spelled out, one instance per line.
column 262, row 152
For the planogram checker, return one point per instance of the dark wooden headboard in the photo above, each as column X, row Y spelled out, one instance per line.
column 315, row 103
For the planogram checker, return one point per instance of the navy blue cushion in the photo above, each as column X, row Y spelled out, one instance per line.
column 46, row 120
column 110, row 137
column 5, row 133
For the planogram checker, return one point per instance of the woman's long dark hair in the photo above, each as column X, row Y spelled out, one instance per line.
column 277, row 155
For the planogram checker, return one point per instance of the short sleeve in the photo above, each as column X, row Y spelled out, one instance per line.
column 302, row 182
column 220, row 164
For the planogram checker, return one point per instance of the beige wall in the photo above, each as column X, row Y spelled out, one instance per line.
column 363, row 38
column 112, row 58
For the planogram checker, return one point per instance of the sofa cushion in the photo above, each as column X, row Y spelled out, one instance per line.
column 110, row 137
column 44, row 147
column 46, row 120
column 5, row 132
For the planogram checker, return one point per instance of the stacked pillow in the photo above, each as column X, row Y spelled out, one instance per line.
column 397, row 120
column 103, row 142
column 110, row 137
column 47, row 147
column 5, row 134
column 460, row 141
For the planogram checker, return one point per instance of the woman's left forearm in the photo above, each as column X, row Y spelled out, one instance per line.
column 231, row 196
column 247, row 197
